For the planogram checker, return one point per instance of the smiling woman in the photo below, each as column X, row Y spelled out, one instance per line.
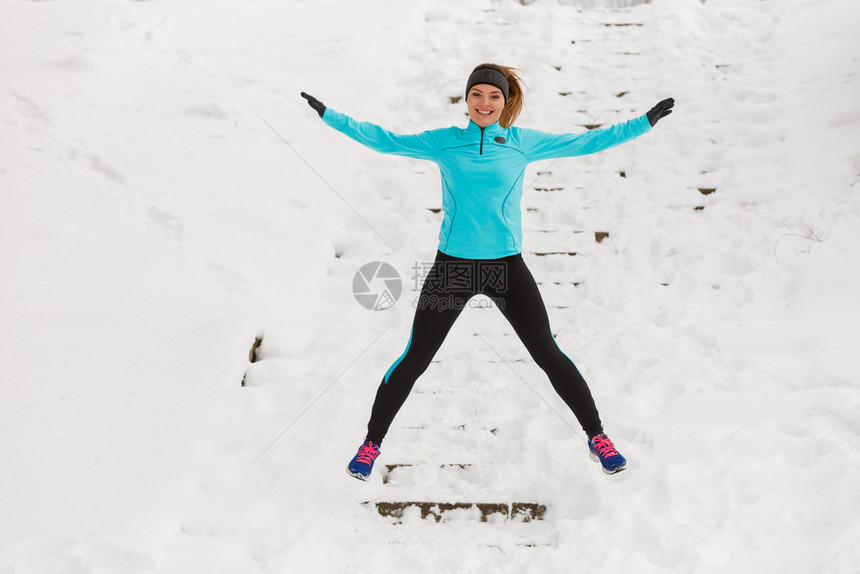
column 494, row 94
column 480, row 243
column 485, row 104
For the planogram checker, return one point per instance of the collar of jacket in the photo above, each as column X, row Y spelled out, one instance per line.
column 491, row 130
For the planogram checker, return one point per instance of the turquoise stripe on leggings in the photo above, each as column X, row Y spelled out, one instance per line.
column 397, row 362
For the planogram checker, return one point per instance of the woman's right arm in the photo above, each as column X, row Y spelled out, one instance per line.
column 419, row 146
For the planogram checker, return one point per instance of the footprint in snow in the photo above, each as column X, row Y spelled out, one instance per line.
column 28, row 111
column 166, row 222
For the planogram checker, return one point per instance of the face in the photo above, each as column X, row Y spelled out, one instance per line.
column 485, row 104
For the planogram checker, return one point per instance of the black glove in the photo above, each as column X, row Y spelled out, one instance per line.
column 662, row 109
column 314, row 103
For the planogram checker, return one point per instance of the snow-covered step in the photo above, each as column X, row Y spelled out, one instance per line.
column 450, row 432
column 407, row 473
column 554, row 266
column 558, row 294
column 480, row 511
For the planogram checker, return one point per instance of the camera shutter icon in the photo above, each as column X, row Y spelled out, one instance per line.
column 377, row 286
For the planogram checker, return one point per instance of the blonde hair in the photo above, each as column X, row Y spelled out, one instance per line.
column 514, row 105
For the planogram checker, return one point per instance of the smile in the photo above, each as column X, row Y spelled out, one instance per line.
column 484, row 113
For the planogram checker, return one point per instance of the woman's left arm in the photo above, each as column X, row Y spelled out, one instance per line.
column 539, row 145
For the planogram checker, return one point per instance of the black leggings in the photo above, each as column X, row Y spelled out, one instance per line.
column 449, row 285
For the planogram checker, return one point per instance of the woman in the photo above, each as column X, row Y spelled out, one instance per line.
column 482, row 168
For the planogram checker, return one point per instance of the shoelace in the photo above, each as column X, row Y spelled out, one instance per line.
column 367, row 453
column 604, row 446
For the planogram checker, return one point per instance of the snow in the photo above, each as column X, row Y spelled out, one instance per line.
column 154, row 223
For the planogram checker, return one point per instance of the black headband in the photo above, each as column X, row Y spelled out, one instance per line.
column 489, row 76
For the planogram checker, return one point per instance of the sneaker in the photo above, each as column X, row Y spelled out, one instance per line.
column 602, row 450
column 362, row 464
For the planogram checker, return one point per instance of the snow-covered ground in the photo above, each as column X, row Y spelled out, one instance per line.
column 161, row 210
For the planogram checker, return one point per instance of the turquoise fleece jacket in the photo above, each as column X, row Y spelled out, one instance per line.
column 482, row 173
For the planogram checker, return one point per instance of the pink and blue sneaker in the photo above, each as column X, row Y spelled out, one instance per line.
column 361, row 465
column 602, row 450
